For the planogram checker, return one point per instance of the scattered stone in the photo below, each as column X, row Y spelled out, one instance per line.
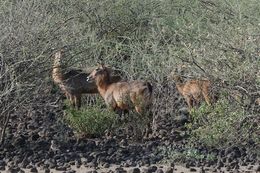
column 214, row 170
column 71, row 171
column 257, row 169
column 152, row 168
column 202, row 170
column 187, row 165
column 13, row 170
column 159, row 171
column 169, row 170
column 29, row 166
column 134, row 170
column 29, row 149
column 250, row 167
column 172, row 164
column 193, row 170
column 92, row 164
column 124, row 142
column 2, row 168
column 21, row 171
column 2, row 163
column 106, row 165
column 34, row 170
column 145, row 170
column 47, row 170
column 19, row 142
column 61, row 168
column 94, row 171
column 220, row 164
column 120, row 170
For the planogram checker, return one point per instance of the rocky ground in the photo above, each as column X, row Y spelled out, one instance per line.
column 41, row 142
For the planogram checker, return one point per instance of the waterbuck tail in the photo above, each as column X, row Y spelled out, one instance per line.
column 57, row 71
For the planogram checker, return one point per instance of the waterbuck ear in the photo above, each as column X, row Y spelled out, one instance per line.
column 102, row 65
column 98, row 65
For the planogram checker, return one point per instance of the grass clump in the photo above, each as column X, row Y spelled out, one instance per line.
column 222, row 124
column 93, row 120
column 174, row 155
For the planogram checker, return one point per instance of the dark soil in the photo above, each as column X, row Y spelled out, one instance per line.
column 42, row 140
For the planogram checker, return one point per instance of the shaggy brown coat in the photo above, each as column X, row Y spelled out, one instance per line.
column 73, row 82
column 194, row 91
column 123, row 95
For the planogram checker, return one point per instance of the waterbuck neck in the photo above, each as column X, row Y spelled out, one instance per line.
column 180, row 87
column 57, row 60
column 103, row 83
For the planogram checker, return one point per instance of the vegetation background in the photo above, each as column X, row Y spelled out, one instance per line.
column 144, row 39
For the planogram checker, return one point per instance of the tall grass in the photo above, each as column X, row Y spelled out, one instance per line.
column 145, row 39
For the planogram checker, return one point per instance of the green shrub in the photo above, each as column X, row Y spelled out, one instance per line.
column 92, row 120
column 96, row 119
column 172, row 155
column 222, row 124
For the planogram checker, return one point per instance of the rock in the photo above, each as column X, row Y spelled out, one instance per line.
column 214, row 170
column 202, row 170
column 159, row 171
column 32, row 126
column 250, row 167
column 72, row 162
column 61, row 168
column 257, row 169
column 125, row 164
column 34, row 136
column 219, row 164
column 181, row 119
column 21, row 171
column 162, row 133
column 169, row 170
column 24, row 163
column 228, row 168
column 94, row 171
column 134, row 170
column 2, row 163
column 144, row 170
column 152, row 168
column 47, row 170
column 120, row 170
column 19, row 141
column 13, row 170
column 106, row 165
column 232, row 153
column 78, row 163
column 33, row 169
column 128, row 163
column 124, row 142
column 193, row 170
column 187, row 165
column 184, row 110
column 234, row 165
column 145, row 161
column 2, row 168
column 92, row 164
column 71, row 171
column 172, row 164
column 110, row 151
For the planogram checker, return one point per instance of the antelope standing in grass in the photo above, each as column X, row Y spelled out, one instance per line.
column 73, row 82
column 123, row 95
column 194, row 91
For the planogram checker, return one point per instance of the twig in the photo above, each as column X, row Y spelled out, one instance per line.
column 4, row 129
column 242, row 89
